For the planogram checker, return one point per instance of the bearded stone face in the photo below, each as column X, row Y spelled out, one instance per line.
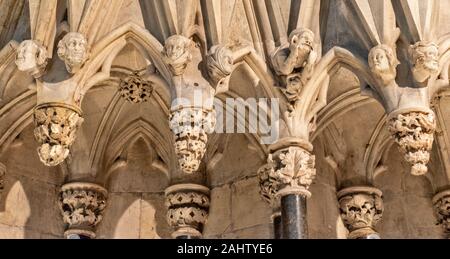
column 380, row 61
column 426, row 58
column 73, row 50
column 383, row 63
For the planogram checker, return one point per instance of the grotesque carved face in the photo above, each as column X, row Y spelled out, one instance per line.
column 360, row 211
column 382, row 63
column 425, row 56
column 30, row 56
column 301, row 38
column 73, row 49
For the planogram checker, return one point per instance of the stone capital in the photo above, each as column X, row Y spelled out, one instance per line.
column 413, row 131
column 441, row 202
column 56, row 125
column 190, row 126
column 82, row 206
column 289, row 170
column 361, row 208
column 188, row 207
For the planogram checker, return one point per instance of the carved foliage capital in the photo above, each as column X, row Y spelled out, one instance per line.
column 361, row 209
column 82, row 205
column 176, row 54
column 413, row 132
column 55, row 131
column 190, row 126
column 187, row 208
column 293, row 171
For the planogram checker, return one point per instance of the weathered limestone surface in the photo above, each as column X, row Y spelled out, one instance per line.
column 361, row 84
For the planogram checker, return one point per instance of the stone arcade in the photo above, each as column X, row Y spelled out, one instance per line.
column 109, row 119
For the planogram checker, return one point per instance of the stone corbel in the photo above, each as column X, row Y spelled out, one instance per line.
column 295, row 63
column 410, row 120
column 32, row 58
column 361, row 208
column 192, row 114
column 73, row 49
column 82, row 206
column 441, row 202
column 220, row 67
column 56, row 118
column 188, row 208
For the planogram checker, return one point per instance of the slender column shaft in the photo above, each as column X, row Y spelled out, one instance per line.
column 293, row 216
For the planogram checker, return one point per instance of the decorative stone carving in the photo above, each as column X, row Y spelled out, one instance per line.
column 188, row 206
column 82, row 206
column 190, row 126
column 292, row 172
column 31, row 58
column 413, row 132
column 295, row 63
column 441, row 203
column 383, row 63
column 73, row 50
column 361, row 209
column 425, row 59
column 135, row 89
column 269, row 185
column 55, row 130
column 176, row 53
column 220, row 65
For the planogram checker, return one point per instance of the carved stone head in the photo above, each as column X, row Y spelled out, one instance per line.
column 383, row 63
column 301, row 44
column 425, row 58
column 301, row 38
column 176, row 53
column 73, row 49
column 220, row 63
column 31, row 57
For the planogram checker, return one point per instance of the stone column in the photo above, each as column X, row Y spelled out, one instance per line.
column 82, row 206
column 56, row 125
column 287, row 177
column 188, row 206
column 361, row 208
column 441, row 202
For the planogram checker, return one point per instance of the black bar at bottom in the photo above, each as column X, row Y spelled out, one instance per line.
column 293, row 216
